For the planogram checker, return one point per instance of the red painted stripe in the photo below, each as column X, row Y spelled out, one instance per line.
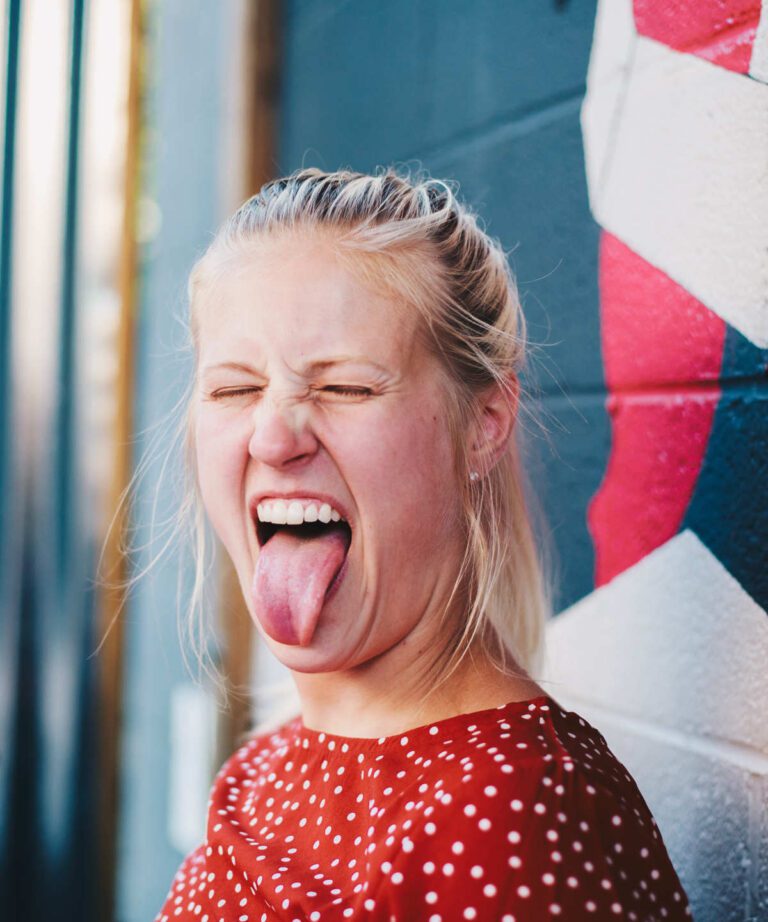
column 662, row 354
column 653, row 330
column 721, row 31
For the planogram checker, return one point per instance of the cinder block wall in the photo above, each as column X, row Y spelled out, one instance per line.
column 620, row 153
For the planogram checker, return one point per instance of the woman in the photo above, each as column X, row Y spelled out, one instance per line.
column 358, row 344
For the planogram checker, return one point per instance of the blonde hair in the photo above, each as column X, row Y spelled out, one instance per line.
column 412, row 235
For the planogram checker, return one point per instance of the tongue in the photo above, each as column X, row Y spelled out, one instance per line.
column 293, row 574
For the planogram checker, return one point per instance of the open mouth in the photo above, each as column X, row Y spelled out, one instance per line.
column 321, row 534
column 307, row 531
column 303, row 550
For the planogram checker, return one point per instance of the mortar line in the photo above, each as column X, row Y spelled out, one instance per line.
column 738, row 754
column 510, row 124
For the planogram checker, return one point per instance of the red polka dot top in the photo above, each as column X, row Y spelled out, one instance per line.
column 516, row 813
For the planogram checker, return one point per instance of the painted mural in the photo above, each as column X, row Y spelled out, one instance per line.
column 682, row 196
column 668, row 654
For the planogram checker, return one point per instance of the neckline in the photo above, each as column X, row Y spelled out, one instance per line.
column 321, row 737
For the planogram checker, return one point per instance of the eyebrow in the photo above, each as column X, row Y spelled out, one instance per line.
column 233, row 366
column 317, row 365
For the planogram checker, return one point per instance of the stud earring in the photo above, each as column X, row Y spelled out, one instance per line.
column 474, row 476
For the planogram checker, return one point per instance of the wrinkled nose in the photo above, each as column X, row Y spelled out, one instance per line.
column 282, row 436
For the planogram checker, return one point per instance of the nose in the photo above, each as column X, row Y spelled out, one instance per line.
column 282, row 436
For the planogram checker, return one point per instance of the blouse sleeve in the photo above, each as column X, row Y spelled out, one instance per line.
column 187, row 887
column 563, row 846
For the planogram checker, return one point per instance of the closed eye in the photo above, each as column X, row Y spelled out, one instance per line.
column 342, row 390
column 236, row 392
column 348, row 390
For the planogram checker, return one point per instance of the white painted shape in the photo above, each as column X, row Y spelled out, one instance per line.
column 275, row 697
column 674, row 640
column 191, row 768
column 758, row 65
column 609, row 67
column 683, row 180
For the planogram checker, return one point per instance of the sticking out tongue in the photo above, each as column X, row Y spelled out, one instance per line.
column 294, row 571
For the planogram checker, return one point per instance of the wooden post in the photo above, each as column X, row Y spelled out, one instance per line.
column 112, row 596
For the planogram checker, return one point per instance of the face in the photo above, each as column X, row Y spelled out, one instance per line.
column 314, row 390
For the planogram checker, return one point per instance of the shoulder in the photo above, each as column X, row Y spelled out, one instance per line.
column 517, row 757
column 546, row 771
column 188, row 880
column 259, row 755
column 535, row 817
column 539, row 763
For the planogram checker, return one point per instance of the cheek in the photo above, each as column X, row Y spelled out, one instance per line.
column 431, row 468
column 406, row 468
column 219, row 452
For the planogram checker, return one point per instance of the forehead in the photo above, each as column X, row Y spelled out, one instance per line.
column 296, row 295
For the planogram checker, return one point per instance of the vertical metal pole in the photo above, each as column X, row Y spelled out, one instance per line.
column 9, row 504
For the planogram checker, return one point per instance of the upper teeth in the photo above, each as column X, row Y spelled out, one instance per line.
column 294, row 512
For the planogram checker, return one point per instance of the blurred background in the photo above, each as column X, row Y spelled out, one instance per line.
column 618, row 149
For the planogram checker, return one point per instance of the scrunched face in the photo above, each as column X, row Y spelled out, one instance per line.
column 324, row 457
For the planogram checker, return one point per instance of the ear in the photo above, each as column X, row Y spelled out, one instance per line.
column 498, row 412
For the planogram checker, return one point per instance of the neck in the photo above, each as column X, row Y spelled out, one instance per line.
column 385, row 696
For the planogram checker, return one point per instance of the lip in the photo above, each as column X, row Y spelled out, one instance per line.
column 259, row 497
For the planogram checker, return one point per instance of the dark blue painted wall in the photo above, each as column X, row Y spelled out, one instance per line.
column 488, row 94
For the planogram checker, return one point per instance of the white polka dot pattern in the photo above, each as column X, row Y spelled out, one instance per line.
column 519, row 812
